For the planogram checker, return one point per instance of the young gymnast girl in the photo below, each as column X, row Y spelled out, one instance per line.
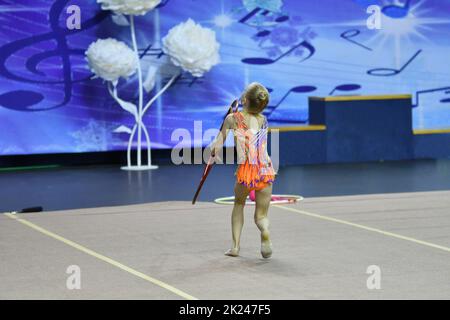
column 255, row 172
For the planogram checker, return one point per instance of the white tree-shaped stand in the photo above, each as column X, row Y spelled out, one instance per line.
column 138, row 112
column 189, row 46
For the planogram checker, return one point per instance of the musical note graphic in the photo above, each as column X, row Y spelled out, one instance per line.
column 258, row 15
column 282, row 18
column 349, row 34
column 446, row 100
column 421, row 92
column 10, row 99
column 251, row 15
column 62, row 50
column 397, row 11
column 264, row 61
column 262, row 34
column 299, row 89
column 295, row 117
column 274, row 37
column 346, row 88
column 387, row 72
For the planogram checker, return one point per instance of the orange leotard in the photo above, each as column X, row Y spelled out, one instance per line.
column 255, row 170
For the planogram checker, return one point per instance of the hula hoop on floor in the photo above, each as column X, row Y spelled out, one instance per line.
column 285, row 199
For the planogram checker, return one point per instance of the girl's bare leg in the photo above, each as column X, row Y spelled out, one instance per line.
column 263, row 198
column 237, row 218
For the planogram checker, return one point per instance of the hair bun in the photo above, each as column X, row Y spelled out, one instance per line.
column 262, row 95
column 256, row 97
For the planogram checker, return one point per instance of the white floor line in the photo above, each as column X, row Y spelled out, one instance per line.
column 360, row 226
column 103, row 258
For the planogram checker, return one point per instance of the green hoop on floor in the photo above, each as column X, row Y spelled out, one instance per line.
column 288, row 199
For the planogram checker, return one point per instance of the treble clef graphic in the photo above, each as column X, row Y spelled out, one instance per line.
column 28, row 99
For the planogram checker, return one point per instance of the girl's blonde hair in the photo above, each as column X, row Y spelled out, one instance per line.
column 255, row 97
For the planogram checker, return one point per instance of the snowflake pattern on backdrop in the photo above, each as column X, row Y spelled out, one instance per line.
column 95, row 136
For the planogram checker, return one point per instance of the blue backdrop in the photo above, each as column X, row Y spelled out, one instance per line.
column 49, row 104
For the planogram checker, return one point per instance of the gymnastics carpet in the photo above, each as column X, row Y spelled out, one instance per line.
column 324, row 248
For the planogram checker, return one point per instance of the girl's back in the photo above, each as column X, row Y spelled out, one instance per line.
column 250, row 133
column 255, row 171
